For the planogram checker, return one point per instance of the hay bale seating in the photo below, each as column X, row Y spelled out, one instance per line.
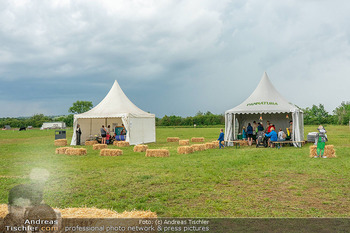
column 157, row 153
column 198, row 147
column 184, row 142
column 103, row 213
column 185, row 150
column 328, row 151
column 62, row 150
column 201, row 139
column 76, row 151
column 243, row 143
column 209, row 145
column 99, row 146
column 172, row 139
column 111, row 152
column 90, row 143
column 61, row 142
column 140, row 148
column 216, row 144
column 92, row 213
column 121, row 143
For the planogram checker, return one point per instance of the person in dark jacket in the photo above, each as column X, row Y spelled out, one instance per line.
column 250, row 134
column 78, row 131
column 221, row 138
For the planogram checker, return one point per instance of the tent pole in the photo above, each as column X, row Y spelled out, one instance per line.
column 90, row 125
column 234, row 126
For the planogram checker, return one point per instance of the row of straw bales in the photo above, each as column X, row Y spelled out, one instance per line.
column 197, row 147
column 71, row 151
column 92, row 213
column 184, row 142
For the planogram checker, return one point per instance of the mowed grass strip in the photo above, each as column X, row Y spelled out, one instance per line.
column 244, row 182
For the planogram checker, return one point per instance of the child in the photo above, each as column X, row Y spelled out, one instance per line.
column 107, row 138
column 244, row 133
column 221, row 138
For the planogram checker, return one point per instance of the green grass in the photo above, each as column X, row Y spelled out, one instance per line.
column 244, row 182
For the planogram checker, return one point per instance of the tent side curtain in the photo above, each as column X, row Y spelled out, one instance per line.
column 74, row 137
column 142, row 130
column 228, row 129
column 298, row 128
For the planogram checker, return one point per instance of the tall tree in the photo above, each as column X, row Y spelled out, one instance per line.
column 80, row 107
column 342, row 113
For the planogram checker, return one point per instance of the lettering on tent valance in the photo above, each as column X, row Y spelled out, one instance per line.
column 262, row 103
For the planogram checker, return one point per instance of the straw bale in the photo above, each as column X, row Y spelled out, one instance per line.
column 184, row 142
column 103, row 213
column 172, row 139
column 243, row 143
column 198, row 147
column 201, row 139
column 111, row 152
column 184, row 150
column 157, row 153
column 313, row 151
column 328, row 151
column 62, row 150
column 3, row 210
column 61, row 142
column 140, row 148
column 216, row 144
column 90, row 143
column 99, row 146
column 76, row 151
column 209, row 145
column 121, row 143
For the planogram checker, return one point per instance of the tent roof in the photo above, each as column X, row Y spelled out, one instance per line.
column 264, row 99
column 115, row 104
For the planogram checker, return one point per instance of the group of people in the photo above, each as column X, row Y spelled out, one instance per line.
column 107, row 134
column 269, row 132
column 258, row 129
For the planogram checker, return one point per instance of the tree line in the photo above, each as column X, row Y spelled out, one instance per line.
column 316, row 114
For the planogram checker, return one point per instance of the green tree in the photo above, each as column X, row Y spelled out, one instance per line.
column 317, row 115
column 80, row 107
column 342, row 113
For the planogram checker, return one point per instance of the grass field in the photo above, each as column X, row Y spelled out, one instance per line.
column 243, row 182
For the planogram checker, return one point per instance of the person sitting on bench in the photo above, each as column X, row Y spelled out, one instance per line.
column 273, row 136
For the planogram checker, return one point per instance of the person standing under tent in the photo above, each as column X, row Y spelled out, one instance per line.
column 103, row 134
column 255, row 127
column 109, row 129
column 78, row 131
column 221, row 138
column 321, row 139
column 250, row 134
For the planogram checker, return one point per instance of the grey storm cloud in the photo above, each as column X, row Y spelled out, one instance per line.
column 170, row 57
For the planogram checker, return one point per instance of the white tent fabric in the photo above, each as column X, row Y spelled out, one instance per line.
column 117, row 109
column 267, row 102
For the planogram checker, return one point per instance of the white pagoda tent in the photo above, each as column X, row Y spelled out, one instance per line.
column 114, row 110
column 265, row 104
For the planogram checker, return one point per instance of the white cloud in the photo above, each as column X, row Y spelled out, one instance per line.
column 201, row 52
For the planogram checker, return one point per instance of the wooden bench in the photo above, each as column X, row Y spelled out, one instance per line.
column 288, row 142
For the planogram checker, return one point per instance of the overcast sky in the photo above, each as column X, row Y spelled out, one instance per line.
column 171, row 57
